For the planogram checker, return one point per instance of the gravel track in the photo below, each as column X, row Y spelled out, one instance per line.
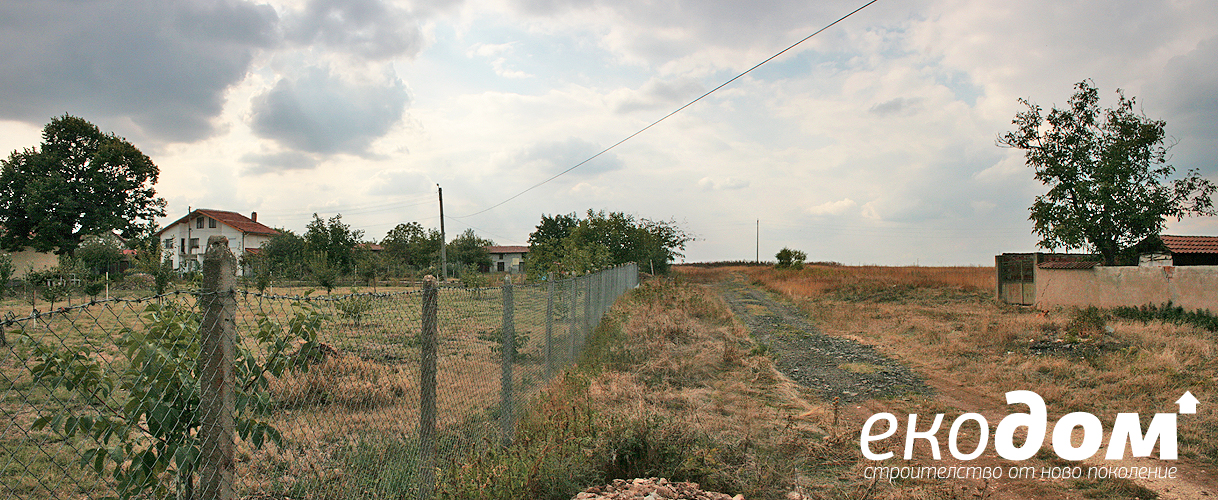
column 832, row 366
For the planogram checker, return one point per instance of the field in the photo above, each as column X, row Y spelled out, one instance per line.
column 945, row 324
column 672, row 384
column 338, row 419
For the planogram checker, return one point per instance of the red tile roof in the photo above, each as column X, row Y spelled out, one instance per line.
column 508, row 249
column 232, row 219
column 1190, row 244
column 1067, row 264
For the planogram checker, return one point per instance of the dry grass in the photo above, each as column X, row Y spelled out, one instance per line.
column 945, row 322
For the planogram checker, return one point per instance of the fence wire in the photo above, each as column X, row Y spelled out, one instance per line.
column 331, row 394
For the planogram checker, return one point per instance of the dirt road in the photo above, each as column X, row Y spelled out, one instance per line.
column 833, row 366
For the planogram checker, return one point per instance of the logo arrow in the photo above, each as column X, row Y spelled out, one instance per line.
column 1187, row 402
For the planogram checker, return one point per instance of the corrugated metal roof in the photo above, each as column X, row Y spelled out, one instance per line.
column 1190, row 244
column 1067, row 264
column 508, row 249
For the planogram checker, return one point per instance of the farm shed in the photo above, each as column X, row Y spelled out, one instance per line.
column 1176, row 269
column 1017, row 272
column 1168, row 250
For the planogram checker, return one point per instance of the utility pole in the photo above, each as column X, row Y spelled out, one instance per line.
column 758, row 261
column 443, row 254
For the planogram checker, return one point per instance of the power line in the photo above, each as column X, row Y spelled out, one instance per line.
column 678, row 110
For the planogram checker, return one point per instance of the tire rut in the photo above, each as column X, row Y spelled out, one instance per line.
column 832, row 366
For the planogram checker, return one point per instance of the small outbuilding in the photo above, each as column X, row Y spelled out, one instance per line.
column 1168, row 250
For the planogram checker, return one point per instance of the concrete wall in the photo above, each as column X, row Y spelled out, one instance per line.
column 1191, row 287
column 28, row 259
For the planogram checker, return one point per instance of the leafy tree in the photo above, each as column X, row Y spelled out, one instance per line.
column 99, row 254
column 283, row 255
column 469, row 249
column 335, row 240
column 150, row 443
column 790, row 259
column 603, row 239
column 412, row 245
column 1107, row 174
column 79, row 182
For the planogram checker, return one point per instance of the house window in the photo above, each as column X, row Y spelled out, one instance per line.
column 169, row 243
column 183, row 243
column 499, row 267
column 194, row 243
column 199, row 223
column 211, row 223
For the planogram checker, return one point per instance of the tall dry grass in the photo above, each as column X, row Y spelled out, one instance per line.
column 945, row 322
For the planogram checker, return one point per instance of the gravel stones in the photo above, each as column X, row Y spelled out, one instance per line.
column 651, row 489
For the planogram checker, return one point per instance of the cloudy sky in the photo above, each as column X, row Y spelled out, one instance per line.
column 870, row 143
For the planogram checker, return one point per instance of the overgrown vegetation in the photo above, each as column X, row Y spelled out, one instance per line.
column 566, row 244
column 151, row 447
column 667, row 387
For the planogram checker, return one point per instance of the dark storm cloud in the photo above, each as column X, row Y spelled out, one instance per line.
column 165, row 65
column 320, row 113
column 368, row 28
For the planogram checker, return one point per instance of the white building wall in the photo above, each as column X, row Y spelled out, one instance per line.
column 192, row 257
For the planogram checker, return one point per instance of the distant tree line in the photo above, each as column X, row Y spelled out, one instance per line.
column 567, row 244
column 330, row 249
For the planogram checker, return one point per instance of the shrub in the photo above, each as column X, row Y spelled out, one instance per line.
column 790, row 259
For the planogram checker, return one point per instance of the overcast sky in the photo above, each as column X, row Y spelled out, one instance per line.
column 870, row 143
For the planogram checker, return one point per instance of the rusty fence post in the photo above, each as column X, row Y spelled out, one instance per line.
column 427, row 389
column 216, row 353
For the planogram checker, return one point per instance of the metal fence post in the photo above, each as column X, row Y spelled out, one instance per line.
column 427, row 390
column 508, row 350
column 216, row 356
column 549, row 326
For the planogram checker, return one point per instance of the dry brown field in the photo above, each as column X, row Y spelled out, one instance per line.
column 945, row 323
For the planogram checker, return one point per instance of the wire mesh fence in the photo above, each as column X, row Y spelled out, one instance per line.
column 365, row 395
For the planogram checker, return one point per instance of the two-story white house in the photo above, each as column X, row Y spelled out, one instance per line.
column 185, row 240
column 509, row 259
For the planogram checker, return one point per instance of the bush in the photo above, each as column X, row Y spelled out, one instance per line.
column 790, row 259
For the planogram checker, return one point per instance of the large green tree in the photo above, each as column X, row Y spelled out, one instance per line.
column 469, row 249
column 412, row 245
column 335, row 240
column 1107, row 174
column 565, row 243
column 79, row 181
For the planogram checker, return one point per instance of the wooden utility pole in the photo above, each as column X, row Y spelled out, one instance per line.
column 443, row 254
column 758, row 261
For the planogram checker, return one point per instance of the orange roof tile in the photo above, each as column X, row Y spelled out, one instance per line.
column 1190, row 244
column 232, row 219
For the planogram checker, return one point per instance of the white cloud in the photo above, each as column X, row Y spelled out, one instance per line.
column 838, row 207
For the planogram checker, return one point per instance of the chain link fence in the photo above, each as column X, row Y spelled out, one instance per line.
column 226, row 393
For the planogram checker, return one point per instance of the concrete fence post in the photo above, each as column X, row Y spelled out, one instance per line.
column 572, row 316
column 587, row 326
column 549, row 326
column 217, row 399
column 427, row 389
column 506, row 407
